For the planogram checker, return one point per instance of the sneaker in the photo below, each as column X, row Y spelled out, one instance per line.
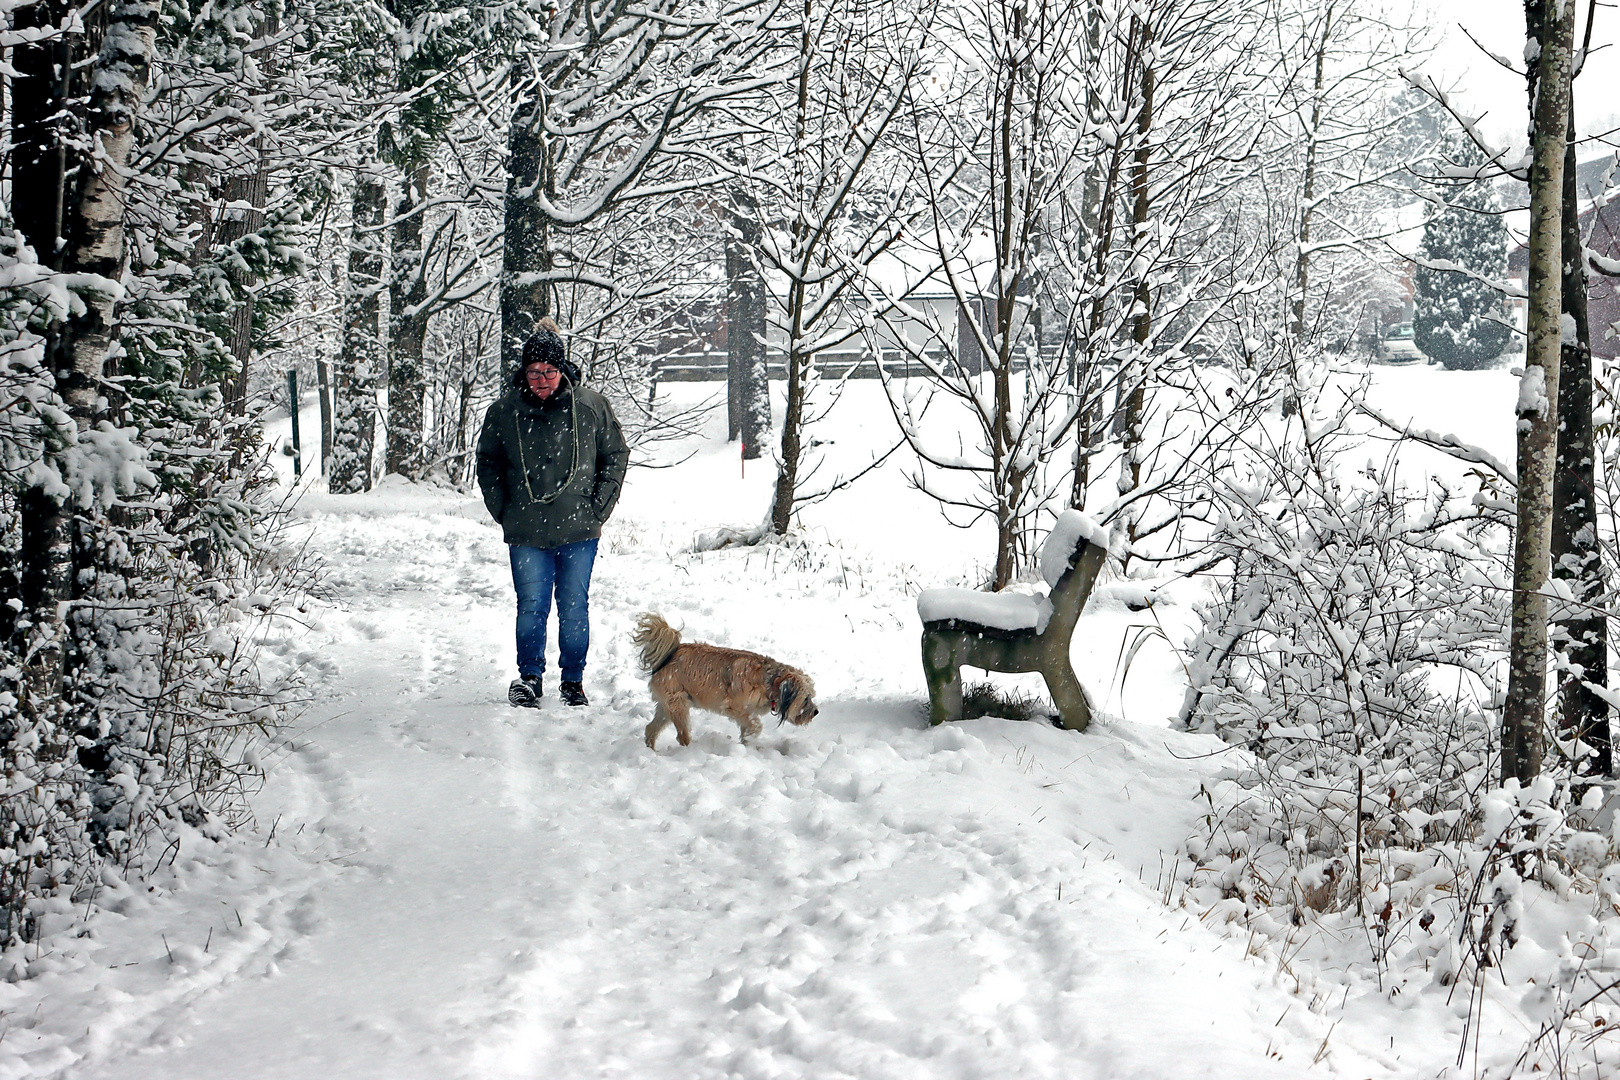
column 525, row 692
column 573, row 693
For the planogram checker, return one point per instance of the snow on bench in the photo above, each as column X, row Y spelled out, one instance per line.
column 1004, row 611
column 1016, row 631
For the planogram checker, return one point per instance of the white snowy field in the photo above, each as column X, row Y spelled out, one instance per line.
column 444, row 886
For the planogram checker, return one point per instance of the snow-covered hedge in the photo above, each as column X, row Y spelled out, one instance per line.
column 131, row 696
column 1353, row 658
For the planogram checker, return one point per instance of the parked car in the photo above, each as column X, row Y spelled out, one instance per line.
column 1398, row 347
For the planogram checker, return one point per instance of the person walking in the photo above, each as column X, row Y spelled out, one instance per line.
column 551, row 464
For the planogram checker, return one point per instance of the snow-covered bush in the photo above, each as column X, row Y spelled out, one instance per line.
column 1353, row 650
column 162, row 700
column 137, row 563
column 1354, row 657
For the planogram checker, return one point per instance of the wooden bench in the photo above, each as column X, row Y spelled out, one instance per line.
column 1016, row 631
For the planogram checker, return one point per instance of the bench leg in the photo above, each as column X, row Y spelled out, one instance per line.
column 1068, row 695
column 944, row 677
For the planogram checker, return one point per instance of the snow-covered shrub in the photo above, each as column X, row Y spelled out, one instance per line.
column 162, row 700
column 1540, row 920
column 1354, row 656
column 128, row 708
column 1352, row 653
column 1353, row 649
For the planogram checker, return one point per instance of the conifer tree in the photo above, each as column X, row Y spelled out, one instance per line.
column 1460, row 319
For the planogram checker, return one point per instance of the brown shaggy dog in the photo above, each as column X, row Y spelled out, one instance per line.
column 742, row 685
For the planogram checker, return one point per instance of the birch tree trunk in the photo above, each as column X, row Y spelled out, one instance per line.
column 95, row 233
column 84, row 211
column 1550, row 30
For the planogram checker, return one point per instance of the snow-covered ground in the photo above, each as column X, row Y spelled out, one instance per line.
column 444, row 886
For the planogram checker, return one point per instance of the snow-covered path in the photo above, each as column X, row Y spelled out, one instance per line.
column 534, row 894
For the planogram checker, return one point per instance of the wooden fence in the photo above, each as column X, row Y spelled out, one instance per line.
column 832, row 364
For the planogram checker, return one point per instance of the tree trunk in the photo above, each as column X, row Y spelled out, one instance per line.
column 1307, row 215
column 1086, row 431
column 1133, row 390
column 408, row 327
column 787, row 467
column 39, row 155
column 229, row 227
column 463, row 426
column 1550, row 25
column 527, row 253
column 72, row 211
column 735, row 350
column 1091, row 432
column 1302, row 258
column 748, row 397
column 323, row 376
column 359, row 367
column 1582, row 628
column 1092, row 429
column 1009, row 478
column 798, row 363
column 95, row 225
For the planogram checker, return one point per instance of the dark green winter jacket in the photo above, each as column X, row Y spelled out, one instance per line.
column 551, row 471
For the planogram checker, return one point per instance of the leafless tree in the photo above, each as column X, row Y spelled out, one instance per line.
column 1087, row 249
column 825, row 162
column 1550, row 30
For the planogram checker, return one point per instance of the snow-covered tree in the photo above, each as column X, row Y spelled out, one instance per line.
column 748, row 388
column 361, row 363
column 842, row 199
column 617, row 111
column 1550, row 30
column 1354, row 647
column 1460, row 318
column 1084, row 164
column 131, row 497
column 1345, row 137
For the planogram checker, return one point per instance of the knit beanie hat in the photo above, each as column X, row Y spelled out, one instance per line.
column 546, row 346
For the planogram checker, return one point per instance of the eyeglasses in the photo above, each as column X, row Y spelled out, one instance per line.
column 539, row 374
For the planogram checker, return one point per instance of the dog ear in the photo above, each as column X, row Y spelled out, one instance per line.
column 785, row 695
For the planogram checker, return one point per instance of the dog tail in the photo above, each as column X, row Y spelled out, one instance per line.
column 656, row 639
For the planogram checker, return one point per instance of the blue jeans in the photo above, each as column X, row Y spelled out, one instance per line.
column 536, row 573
